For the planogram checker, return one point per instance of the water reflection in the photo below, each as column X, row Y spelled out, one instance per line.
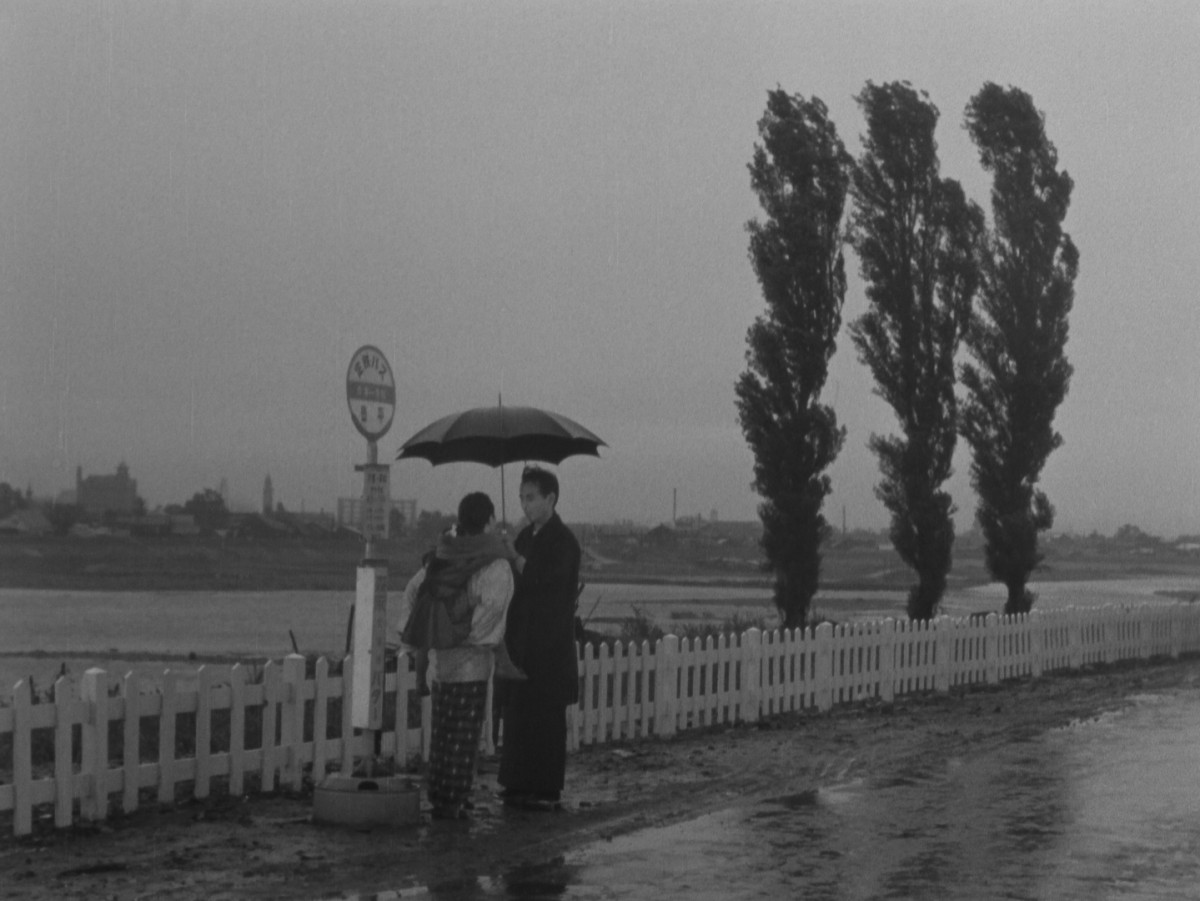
column 1105, row 809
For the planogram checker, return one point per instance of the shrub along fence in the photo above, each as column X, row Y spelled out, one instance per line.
column 74, row 753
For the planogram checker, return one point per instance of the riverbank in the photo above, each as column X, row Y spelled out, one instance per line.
column 113, row 563
column 268, row 847
column 209, row 563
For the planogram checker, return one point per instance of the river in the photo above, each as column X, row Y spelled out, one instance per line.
column 86, row 628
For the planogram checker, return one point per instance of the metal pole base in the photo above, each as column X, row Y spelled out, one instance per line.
column 352, row 801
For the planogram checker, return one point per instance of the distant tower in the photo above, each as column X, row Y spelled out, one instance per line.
column 268, row 497
column 223, row 490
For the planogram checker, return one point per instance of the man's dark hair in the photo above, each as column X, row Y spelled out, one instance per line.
column 545, row 481
column 475, row 511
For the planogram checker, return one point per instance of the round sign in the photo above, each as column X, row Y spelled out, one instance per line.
column 371, row 392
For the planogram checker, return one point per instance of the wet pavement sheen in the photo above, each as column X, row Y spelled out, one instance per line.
column 1103, row 809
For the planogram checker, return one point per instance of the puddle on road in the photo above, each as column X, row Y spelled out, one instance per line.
column 1107, row 808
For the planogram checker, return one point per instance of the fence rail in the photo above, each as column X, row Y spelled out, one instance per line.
column 75, row 753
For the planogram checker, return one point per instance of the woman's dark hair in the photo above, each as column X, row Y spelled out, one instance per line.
column 475, row 511
column 545, row 481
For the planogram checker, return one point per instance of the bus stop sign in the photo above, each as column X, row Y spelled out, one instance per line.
column 371, row 392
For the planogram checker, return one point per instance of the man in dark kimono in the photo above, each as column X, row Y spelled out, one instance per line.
column 541, row 641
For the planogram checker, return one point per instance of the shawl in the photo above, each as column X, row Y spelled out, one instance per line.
column 441, row 614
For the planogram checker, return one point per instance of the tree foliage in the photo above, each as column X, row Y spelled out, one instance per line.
column 1019, row 374
column 800, row 174
column 917, row 240
column 395, row 523
column 11, row 500
column 208, row 508
column 63, row 517
column 430, row 525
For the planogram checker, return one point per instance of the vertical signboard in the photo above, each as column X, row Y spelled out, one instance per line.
column 370, row 631
column 377, row 501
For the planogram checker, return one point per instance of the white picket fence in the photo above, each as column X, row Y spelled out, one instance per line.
column 60, row 756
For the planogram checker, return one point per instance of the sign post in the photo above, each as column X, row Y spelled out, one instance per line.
column 371, row 395
column 343, row 798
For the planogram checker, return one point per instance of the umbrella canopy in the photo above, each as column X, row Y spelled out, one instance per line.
column 498, row 435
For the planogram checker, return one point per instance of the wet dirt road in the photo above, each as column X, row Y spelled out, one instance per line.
column 871, row 801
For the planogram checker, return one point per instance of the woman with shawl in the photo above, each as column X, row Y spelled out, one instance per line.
column 455, row 608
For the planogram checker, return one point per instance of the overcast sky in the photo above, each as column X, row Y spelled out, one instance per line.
column 207, row 207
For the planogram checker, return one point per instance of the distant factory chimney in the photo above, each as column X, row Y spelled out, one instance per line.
column 268, row 497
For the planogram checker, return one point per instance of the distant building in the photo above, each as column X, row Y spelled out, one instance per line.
column 349, row 511
column 98, row 495
column 255, row 527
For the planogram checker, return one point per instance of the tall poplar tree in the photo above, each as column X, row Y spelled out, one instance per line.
column 917, row 240
column 1019, row 375
column 800, row 173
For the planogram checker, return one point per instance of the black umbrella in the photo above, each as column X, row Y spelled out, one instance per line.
column 497, row 435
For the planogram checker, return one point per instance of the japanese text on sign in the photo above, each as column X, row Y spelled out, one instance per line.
column 377, row 499
column 371, row 392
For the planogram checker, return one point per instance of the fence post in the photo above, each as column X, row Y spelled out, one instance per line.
column 237, row 729
column 94, row 754
column 943, row 640
column 606, row 691
column 887, row 660
column 204, row 689
column 644, row 665
column 1105, row 615
column 64, row 773
column 666, row 701
column 750, row 655
column 1036, row 643
column 23, row 757
column 585, row 719
column 270, row 717
column 823, row 683
column 292, row 722
column 321, row 717
column 166, row 740
column 405, row 683
column 1074, row 638
column 131, row 692
column 635, row 712
column 991, row 644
